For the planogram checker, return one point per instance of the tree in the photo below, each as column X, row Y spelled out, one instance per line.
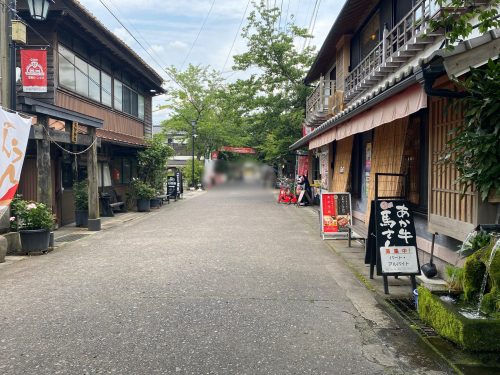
column 153, row 162
column 459, row 18
column 275, row 110
column 193, row 98
column 475, row 147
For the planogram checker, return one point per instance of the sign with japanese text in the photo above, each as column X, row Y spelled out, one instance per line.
column 172, row 186
column 74, row 132
column 34, row 70
column 302, row 165
column 335, row 214
column 14, row 135
column 238, row 150
column 395, row 238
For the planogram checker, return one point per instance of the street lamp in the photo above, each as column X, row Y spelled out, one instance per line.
column 193, row 124
column 39, row 9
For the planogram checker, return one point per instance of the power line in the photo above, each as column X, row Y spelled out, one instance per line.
column 237, row 33
column 140, row 44
column 314, row 23
column 310, row 23
column 198, row 35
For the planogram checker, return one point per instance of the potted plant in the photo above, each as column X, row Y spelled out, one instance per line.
column 81, row 196
column 143, row 192
column 34, row 222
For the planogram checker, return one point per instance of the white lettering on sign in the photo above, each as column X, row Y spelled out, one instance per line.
column 399, row 259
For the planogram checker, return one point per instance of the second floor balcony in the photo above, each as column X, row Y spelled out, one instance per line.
column 317, row 102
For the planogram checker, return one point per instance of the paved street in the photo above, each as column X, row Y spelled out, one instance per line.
column 227, row 282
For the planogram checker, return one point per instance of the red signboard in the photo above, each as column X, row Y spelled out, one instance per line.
column 303, row 165
column 335, row 213
column 34, row 70
column 238, row 150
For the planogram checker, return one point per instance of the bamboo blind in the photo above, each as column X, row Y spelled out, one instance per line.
column 445, row 195
column 387, row 157
column 342, row 159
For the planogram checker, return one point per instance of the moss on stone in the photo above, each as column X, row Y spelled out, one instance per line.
column 470, row 334
column 473, row 275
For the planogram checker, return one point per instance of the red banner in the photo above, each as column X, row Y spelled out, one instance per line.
column 303, row 165
column 238, row 150
column 34, row 70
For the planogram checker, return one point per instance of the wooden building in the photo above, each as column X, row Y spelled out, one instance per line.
column 371, row 112
column 98, row 89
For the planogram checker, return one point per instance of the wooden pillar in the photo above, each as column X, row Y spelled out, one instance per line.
column 43, row 167
column 92, row 170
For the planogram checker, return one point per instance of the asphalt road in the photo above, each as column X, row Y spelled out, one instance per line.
column 228, row 282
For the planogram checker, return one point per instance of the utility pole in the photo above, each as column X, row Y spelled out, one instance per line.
column 193, row 124
column 5, row 36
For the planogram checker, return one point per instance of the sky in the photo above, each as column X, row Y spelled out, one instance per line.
column 168, row 30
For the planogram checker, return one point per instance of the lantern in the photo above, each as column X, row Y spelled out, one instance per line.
column 39, row 9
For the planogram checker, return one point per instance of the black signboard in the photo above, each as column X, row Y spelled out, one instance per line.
column 392, row 241
column 172, row 186
column 178, row 177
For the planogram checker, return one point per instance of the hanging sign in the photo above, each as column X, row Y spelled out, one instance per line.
column 335, row 214
column 74, row 132
column 396, row 239
column 14, row 135
column 34, row 70
column 238, row 150
column 302, row 165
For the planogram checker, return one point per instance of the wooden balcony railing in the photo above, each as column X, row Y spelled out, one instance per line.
column 397, row 46
column 317, row 102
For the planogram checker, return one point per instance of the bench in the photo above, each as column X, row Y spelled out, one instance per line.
column 163, row 198
column 360, row 230
column 110, row 201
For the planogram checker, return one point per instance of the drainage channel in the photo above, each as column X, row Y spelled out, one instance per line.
column 72, row 237
column 405, row 307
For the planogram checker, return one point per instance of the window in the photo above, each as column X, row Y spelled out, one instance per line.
column 66, row 68
column 77, row 75
column 94, row 84
column 82, row 77
column 141, row 107
column 122, row 170
column 370, row 35
column 106, row 89
column 118, row 95
column 103, row 175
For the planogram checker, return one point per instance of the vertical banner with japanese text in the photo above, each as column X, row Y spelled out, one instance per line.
column 335, row 214
column 34, row 70
column 14, row 135
column 302, row 165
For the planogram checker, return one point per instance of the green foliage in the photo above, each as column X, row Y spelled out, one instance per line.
column 81, row 195
column 458, row 24
column 454, row 278
column 142, row 190
column 480, row 240
column 475, row 146
column 153, row 162
column 276, row 110
column 32, row 215
column 194, row 97
column 187, row 172
column 470, row 334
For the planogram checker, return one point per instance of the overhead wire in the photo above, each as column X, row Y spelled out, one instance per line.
column 310, row 24
column 198, row 35
column 236, row 35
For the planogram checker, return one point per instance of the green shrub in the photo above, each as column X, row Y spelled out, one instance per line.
column 81, row 194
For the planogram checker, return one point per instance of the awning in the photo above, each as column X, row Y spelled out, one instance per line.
column 398, row 106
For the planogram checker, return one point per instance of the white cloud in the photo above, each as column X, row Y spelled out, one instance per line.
column 121, row 33
column 177, row 44
column 156, row 48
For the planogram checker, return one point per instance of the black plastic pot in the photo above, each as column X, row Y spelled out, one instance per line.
column 143, row 205
column 35, row 240
column 81, row 218
column 155, row 203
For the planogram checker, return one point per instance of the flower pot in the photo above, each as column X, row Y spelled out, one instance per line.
column 155, row 203
column 81, row 218
column 34, row 239
column 143, row 205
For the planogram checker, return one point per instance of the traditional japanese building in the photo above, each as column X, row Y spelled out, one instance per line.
column 382, row 83
column 99, row 94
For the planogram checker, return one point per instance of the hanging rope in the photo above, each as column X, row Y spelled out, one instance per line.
column 68, row 151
